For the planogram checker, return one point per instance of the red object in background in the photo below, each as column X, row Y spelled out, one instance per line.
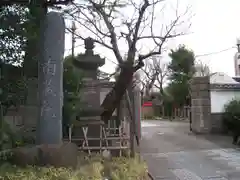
column 147, row 104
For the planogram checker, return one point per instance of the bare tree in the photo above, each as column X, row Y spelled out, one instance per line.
column 201, row 69
column 110, row 28
column 156, row 73
column 150, row 77
column 162, row 69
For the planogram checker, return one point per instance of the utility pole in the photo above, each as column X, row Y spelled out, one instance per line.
column 73, row 37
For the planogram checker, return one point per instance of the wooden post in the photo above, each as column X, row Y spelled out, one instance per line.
column 132, row 123
column 163, row 112
column 118, row 117
column 174, row 113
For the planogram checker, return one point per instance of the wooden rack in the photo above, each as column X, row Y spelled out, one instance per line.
column 104, row 137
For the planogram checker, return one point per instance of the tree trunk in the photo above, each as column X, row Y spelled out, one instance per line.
column 161, row 89
column 114, row 97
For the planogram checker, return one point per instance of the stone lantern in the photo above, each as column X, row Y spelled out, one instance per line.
column 89, row 63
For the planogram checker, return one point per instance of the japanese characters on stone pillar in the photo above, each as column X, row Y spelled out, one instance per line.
column 49, row 129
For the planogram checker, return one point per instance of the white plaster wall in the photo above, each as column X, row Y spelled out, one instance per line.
column 220, row 98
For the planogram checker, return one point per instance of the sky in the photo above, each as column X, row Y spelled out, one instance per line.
column 214, row 28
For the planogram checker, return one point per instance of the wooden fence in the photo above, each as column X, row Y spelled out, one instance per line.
column 176, row 113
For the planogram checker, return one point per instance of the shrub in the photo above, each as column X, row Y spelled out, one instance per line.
column 89, row 168
column 231, row 117
column 128, row 169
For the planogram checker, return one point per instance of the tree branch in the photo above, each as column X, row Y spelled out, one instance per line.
column 95, row 40
column 139, row 65
column 132, row 49
column 110, row 27
column 158, row 37
column 92, row 21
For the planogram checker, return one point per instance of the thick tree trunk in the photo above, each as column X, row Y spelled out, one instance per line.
column 114, row 97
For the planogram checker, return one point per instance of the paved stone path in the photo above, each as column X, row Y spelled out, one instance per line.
column 172, row 153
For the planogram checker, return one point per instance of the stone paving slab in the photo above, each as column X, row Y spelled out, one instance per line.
column 162, row 170
column 188, row 166
column 185, row 174
column 174, row 155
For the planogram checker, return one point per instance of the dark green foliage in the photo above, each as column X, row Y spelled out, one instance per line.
column 181, row 70
column 182, row 64
column 168, row 108
column 168, row 104
column 179, row 93
column 19, row 33
column 231, row 117
column 13, row 94
column 33, row 42
column 12, row 33
column 13, row 86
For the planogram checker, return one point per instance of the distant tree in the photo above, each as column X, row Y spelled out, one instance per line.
column 156, row 73
column 181, row 70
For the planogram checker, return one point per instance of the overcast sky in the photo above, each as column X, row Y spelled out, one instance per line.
column 215, row 27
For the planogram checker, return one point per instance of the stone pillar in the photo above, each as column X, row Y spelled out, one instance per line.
column 49, row 129
column 201, row 105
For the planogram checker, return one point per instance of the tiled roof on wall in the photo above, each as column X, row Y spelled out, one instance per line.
column 221, row 78
column 222, row 81
column 225, row 86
